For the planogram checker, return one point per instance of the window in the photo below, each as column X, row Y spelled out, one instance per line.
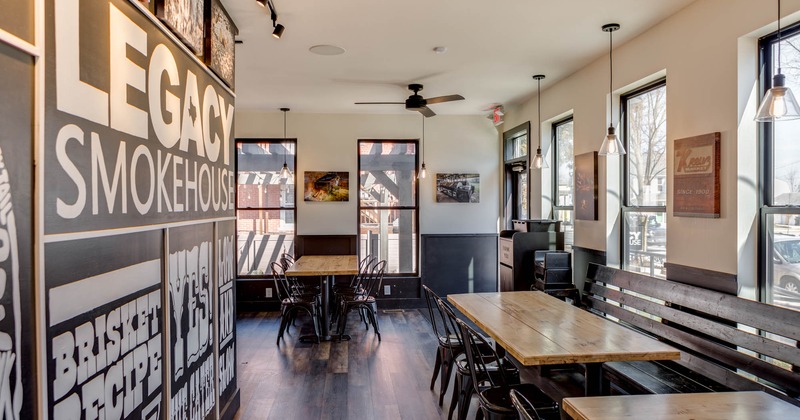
column 388, row 207
column 265, row 209
column 644, row 243
column 563, row 177
column 515, row 146
column 779, row 282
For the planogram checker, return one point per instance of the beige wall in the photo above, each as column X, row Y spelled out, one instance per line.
column 708, row 53
column 327, row 142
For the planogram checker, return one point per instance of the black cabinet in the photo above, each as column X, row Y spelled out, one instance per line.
column 517, row 250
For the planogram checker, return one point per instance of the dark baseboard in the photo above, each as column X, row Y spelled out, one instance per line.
column 229, row 411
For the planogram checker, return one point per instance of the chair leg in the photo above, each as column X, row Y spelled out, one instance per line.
column 342, row 320
column 284, row 321
column 436, row 365
column 454, row 399
column 447, row 368
column 465, row 397
column 315, row 320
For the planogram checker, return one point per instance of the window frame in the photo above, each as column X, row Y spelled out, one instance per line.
column 283, row 208
column 510, row 188
column 554, row 147
column 415, row 207
column 626, row 207
column 766, row 173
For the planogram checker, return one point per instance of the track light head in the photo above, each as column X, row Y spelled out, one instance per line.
column 262, row 3
column 278, row 31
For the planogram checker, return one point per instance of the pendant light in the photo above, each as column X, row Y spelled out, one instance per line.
column 285, row 172
column 538, row 160
column 612, row 146
column 779, row 103
column 422, row 171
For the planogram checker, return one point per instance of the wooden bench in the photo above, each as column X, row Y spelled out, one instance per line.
column 715, row 354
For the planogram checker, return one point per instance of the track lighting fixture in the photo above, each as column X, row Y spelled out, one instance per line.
column 538, row 160
column 779, row 103
column 277, row 28
column 612, row 146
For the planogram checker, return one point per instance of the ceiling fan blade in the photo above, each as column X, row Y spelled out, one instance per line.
column 380, row 103
column 440, row 99
column 426, row 111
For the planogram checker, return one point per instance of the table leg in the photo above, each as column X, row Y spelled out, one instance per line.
column 594, row 379
column 325, row 283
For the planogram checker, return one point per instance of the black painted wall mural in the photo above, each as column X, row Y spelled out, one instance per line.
column 17, row 337
column 138, row 227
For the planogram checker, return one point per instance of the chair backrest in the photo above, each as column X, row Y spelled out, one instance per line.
column 364, row 270
column 449, row 319
column 373, row 282
column 430, row 300
column 282, row 287
column 525, row 410
column 480, row 355
column 286, row 260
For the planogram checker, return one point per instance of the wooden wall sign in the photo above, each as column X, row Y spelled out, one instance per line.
column 696, row 176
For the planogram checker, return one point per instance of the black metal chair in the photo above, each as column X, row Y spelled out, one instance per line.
column 494, row 390
column 450, row 346
column 292, row 303
column 525, row 410
column 463, row 388
column 364, row 300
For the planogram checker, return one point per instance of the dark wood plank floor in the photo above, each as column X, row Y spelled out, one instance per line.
column 357, row 379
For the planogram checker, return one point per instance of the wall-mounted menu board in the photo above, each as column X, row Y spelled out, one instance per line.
column 17, row 337
column 138, row 133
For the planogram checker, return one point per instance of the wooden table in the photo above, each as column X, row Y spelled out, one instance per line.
column 538, row 329
column 324, row 266
column 755, row 405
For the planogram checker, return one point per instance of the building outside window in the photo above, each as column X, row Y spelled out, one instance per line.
column 779, row 247
column 644, row 130
column 265, row 206
column 388, row 206
column 563, row 178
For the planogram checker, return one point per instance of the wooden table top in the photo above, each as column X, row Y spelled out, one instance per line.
column 324, row 265
column 755, row 405
column 538, row 329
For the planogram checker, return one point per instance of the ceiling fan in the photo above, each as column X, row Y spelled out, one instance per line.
column 416, row 102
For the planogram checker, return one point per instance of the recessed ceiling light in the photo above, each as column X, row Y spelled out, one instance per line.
column 326, row 50
column 440, row 50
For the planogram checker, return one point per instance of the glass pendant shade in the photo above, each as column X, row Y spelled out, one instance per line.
column 612, row 146
column 285, row 172
column 779, row 103
column 538, row 160
column 422, row 171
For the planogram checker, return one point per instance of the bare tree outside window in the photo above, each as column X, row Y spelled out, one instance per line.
column 647, row 147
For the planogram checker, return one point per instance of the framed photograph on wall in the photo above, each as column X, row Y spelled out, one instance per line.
column 458, row 188
column 220, row 41
column 186, row 19
column 696, row 176
column 326, row 186
column 586, row 186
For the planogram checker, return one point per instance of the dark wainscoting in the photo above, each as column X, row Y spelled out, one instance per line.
column 581, row 257
column 454, row 263
column 325, row 245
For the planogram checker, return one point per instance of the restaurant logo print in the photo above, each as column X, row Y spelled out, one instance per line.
column 10, row 315
column 191, row 306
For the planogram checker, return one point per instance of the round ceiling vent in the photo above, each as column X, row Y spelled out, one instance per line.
column 326, row 50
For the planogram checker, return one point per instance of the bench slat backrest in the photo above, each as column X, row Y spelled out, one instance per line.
column 703, row 324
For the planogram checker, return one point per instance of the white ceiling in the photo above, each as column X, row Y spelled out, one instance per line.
column 494, row 47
